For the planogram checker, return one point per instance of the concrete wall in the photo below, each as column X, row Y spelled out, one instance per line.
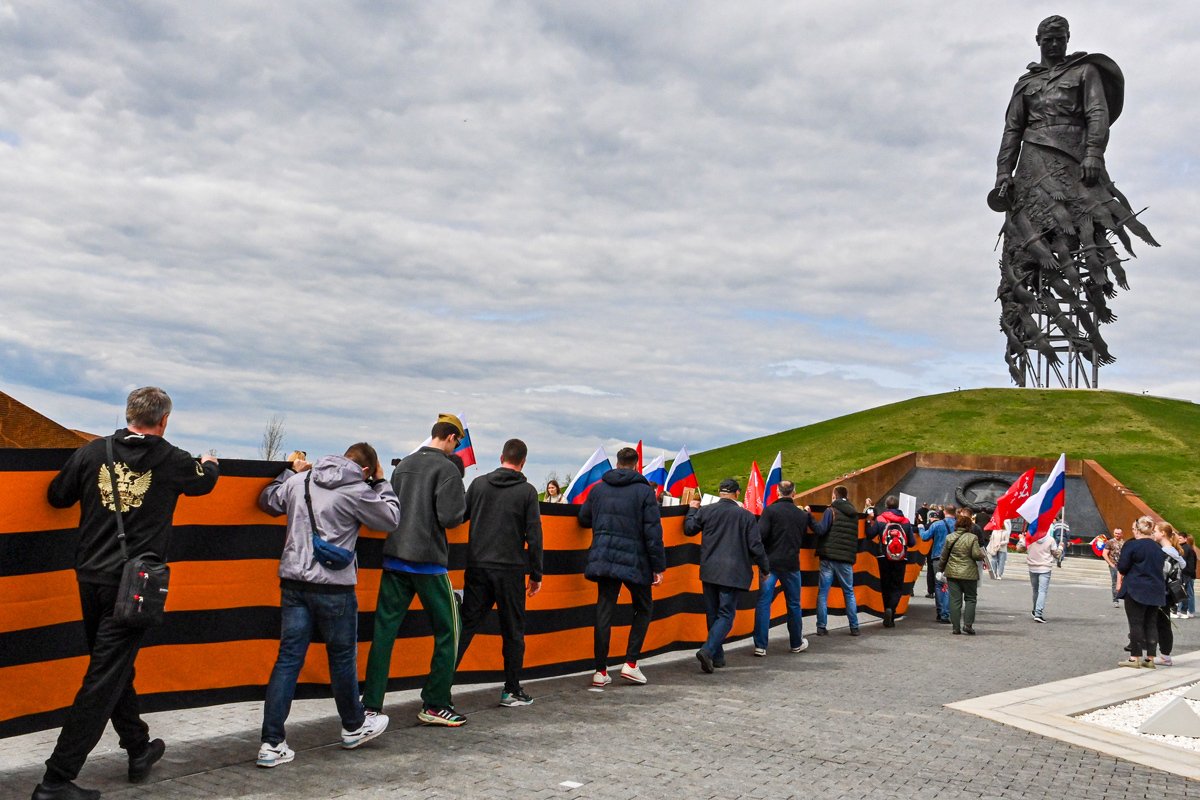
column 1118, row 505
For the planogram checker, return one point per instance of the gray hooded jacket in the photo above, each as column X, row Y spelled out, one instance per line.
column 342, row 502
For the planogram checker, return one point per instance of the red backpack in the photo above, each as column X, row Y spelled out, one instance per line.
column 894, row 542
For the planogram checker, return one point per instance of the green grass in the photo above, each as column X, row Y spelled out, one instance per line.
column 1150, row 444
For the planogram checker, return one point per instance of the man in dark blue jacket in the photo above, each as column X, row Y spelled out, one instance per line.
column 627, row 549
column 728, row 552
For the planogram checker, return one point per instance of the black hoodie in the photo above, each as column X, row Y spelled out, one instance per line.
column 151, row 474
column 503, row 509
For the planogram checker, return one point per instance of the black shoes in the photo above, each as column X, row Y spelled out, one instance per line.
column 822, row 632
column 943, row 620
column 969, row 631
column 64, row 791
column 889, row 618
column 139, row 767
column 854, row 632
column 706, row 661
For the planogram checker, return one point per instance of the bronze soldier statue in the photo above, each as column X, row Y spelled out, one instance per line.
column 1061, row 206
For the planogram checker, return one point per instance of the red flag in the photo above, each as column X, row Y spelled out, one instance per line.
column 639, row 449
column 753, row 499
column 1010, row 501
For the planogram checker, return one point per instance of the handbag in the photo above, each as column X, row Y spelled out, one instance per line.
column 327, row 555
column 142, row 593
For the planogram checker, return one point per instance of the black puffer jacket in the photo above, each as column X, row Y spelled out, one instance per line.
column 838, row 532
column 627, row 539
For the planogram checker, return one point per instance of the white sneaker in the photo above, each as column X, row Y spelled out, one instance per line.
column 1164, row 660
column 272, row 755
column 760, row 651
column 600, row 680
column 373, row 725
column 632, row 674
column 803, row 646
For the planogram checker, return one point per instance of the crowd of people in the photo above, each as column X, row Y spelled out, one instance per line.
column 326, row 502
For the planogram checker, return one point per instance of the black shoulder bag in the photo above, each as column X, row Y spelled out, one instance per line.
column 142, row 595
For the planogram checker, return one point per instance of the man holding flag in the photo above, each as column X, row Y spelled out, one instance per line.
column 1041, row 550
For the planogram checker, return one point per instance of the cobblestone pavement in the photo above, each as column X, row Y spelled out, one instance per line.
column 851, row 718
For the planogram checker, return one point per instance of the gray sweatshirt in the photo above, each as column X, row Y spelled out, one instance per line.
column 342, row 502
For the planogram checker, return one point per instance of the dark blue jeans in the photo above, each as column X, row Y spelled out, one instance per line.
column 720, row 604
column 789, row 582
column 336, row 617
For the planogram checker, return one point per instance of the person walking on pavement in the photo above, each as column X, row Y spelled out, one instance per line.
column 415, row 556
column 729, row 550
column 782, row 527
column 837, row 548
column 896, row 538
column 1164, row 534
column 1040, row 557
column 150, row 474
column 939, row 530
column 325, row 502
column 959, row 568
column 627, row 550
column 504, row 543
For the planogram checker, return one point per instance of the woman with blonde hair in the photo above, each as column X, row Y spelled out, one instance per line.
column 1141, row 585
column 959, row 567
column 1168, row 540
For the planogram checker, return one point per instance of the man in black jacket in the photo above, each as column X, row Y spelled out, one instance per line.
column 781, row 528
column 627, row 549
column 150, row 475
column 504, row 542
column 892, row 567
column 837, row 547
column 728, row 552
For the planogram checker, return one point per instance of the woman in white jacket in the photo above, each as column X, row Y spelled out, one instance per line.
column 1040, row 557
column 997, row 550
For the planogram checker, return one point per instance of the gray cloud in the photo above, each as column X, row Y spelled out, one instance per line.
column 688, row 223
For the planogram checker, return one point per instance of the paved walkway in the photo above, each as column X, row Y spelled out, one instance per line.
column 851, row 718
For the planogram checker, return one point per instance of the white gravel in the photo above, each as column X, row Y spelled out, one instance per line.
column 1128, row 716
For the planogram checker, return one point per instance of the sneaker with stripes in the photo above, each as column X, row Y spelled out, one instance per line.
column 441, row 716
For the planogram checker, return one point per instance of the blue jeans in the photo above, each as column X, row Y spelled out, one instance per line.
column 844, row 572
column 790, row 583
column 997, row 564
column 1041, row 586
column 1188, row 606
column 941, row 597
column 336, row 617
column 720, row 604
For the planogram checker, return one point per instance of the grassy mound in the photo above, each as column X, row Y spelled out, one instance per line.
column 1150, row 444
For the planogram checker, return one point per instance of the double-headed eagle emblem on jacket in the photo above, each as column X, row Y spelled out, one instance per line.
column 131, row 485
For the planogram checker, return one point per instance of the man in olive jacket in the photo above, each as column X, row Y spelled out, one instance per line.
column 728, row 552
column 415, row 556
column 837, row 547
column 626, row 550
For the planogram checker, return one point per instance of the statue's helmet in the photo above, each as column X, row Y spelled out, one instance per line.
column 1054, row 23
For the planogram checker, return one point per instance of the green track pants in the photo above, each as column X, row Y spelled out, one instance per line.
column 396, row 590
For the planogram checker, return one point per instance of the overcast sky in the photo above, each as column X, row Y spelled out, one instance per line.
column 578, row 223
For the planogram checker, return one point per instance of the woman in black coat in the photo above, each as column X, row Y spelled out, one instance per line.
column 1141, row 584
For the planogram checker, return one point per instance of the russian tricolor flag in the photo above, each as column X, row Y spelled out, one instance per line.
column 681, row 476
column 774, row 478
column 1043, row 505
column 466, row 450
column 588, row 476
column 656, row 471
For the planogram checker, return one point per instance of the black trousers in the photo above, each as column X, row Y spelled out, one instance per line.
column 1143, row 629
column 606, row 604
column 930, row 569
column 1162, row 626
column 107, row 691
column 484, row 588
column 891, row 581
